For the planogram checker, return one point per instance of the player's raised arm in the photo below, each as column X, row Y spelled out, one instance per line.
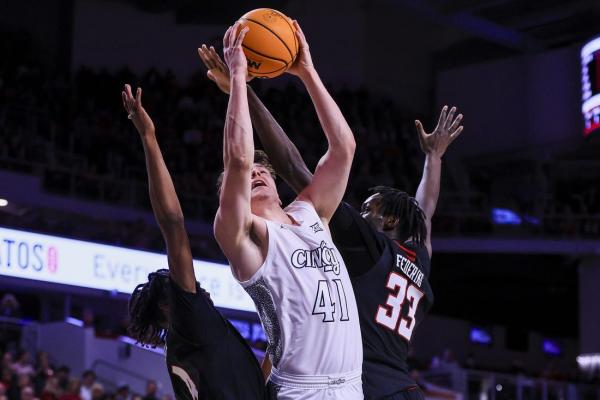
column 163, row 198
column 331, row 175
column 282, row 153
column 234, row 218
column 434, row 146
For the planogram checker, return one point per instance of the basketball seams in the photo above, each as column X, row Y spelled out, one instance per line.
column 274, row 34
column 293, row 31
column 269, row 57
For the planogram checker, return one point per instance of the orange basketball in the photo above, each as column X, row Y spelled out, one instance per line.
column 270, row 45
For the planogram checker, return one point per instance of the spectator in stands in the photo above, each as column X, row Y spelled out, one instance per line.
column 27, row 393
column 7, row 378
column 43, row 370
column 23, row 381
column 51, row 390
column 23, row 364
column 151, row 391
column 2, row 390
column 64, row 375
column 97, row 391
column 88, row 378
column 9, row 306
column 73, row 389
column 123, row 393
column 7, row 360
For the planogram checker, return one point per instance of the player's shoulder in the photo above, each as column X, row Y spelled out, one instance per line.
column 417, row 253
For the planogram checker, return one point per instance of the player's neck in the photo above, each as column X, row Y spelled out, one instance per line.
column 271, row 211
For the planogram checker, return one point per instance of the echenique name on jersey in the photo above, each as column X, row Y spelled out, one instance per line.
column 411, row 271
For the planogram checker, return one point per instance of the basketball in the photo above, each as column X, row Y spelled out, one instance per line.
column 270, row 45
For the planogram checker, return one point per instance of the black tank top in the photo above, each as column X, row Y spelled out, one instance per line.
column 393, row 294
column 207, row 358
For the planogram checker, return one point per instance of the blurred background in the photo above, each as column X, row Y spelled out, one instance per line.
column 516, row 265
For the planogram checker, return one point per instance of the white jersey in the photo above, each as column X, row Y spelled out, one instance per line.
column 305, row 300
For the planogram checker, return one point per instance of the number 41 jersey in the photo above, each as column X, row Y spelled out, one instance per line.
column 393, row 294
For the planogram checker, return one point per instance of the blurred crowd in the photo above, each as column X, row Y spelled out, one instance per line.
column 72, row 132
column 24, row 379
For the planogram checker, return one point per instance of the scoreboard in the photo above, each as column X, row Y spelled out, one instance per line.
column 590, row 80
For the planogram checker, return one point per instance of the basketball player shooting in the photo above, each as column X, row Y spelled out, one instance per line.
column 206, row 356
column 387, row 247
column 285, row 258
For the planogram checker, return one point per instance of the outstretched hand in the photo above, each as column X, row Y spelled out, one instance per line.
column 303, row 62
column 136, row 112
column 447, row 129
column 235, row 59
column 218, row 72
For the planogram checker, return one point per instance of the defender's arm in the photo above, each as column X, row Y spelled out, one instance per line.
column 163, row 197
column 434, row 146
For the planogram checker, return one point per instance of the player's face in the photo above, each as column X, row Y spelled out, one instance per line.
column 262, row 183
column 370, row 212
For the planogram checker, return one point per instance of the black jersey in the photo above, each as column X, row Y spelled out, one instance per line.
column 207, row 358
column 392, row 290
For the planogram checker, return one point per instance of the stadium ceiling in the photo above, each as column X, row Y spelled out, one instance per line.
column 521, row 25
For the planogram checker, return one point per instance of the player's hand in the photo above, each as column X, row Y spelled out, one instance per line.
column 233, row 52
column 136, row 112
column 303, row 63
column 447, row 129
column 217, row 69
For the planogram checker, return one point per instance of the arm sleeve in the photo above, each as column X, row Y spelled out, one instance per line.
column 358, row 242
column 194, row 317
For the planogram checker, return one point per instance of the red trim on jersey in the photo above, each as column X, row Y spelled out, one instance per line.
column 412, row 256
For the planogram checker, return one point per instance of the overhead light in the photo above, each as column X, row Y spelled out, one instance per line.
column 3, row 202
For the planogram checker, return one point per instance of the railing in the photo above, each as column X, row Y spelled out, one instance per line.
column 483, row 385
column 99, row 365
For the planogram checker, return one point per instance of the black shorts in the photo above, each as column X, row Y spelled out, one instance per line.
column 410, row 393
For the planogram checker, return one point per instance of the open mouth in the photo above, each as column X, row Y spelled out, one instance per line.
column 257, row 183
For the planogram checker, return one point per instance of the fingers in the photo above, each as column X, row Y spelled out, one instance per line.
column 138, row 96
column 456, row 133
column 204, row 56
column 442, row 118
column 420, row 130
column 210, row 75
column 455, row 123
column 450, row 117
column 241, row 36
column 128, row 91
column 300, row 35
column 226, row 37
column 124, row 98
column 215, row 56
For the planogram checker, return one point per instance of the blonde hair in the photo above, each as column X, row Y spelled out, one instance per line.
column 261, row 158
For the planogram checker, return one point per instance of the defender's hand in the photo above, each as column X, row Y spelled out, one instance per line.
column 217, row 69
column 303, row 63
column 136, row 112
column 233, row 52
column 447, row 129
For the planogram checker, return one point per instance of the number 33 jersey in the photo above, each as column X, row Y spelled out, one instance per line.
column 392, row 290
column 305, row 300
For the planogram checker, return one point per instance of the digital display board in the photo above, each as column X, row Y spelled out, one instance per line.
column 97, row 266
column 590, row 82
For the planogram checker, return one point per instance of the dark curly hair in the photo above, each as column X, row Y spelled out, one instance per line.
column 403, row 211
column 147, row 319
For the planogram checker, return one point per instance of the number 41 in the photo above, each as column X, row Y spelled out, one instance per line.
column 324, row 305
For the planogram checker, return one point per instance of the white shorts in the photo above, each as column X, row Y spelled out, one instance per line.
column 347, row 386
